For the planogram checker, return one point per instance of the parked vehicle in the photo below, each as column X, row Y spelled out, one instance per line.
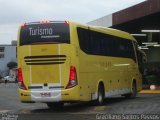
column 7, row 79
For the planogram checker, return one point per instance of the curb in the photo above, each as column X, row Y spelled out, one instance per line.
column 3, row 112
column 150, row 92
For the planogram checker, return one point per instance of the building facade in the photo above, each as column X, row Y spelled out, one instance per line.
column 7, row 54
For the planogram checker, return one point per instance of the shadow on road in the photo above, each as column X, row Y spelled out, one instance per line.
column 83, row 106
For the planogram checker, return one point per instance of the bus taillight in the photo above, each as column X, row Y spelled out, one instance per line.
column 20, row 79
column 72, row 78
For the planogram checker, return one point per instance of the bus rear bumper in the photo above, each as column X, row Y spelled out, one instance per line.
column 49, row 96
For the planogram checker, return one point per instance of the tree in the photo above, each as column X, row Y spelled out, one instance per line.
column 11, row 65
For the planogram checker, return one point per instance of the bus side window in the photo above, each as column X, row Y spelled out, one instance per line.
column 84, row 39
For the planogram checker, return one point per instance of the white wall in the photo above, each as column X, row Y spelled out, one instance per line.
column 105, row 21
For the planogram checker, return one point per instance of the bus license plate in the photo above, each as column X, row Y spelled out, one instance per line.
column 46, row 94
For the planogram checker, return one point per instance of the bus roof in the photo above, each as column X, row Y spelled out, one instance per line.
column 107, row 30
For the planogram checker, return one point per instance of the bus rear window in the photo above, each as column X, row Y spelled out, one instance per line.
column 44, row 33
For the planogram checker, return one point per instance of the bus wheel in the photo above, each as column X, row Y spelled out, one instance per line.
column 55, row 105
column 100, row 98
column 133, row 94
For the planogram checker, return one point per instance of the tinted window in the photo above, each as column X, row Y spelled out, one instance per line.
column 96, row 43
column 44, row 33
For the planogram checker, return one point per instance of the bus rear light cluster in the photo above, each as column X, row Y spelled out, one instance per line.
column 20, row 79
column 66, row 22
column 44, row 22
column 72, row 78
column 23, row 25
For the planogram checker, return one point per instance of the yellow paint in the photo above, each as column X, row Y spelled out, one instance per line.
column 115, row 73
column 150, row 91
column 100, row 108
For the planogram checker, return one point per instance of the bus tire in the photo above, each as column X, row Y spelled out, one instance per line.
column 55, row 105
column 133, row 94
column 101, row 94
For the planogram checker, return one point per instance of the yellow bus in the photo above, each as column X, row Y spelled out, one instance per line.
column 63, row 61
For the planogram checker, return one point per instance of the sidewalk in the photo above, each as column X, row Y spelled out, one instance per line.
column 148, row 91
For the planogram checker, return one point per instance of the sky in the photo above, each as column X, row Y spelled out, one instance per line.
column 15, row 12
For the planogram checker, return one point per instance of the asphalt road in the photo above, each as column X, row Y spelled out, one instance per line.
column 145, row 106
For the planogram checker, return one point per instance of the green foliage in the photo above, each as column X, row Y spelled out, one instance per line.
column 12, row 65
